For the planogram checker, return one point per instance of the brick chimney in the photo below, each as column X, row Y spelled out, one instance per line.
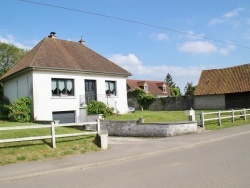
column 52, row 35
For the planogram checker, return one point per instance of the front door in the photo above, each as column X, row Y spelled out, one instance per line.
column 90, row 90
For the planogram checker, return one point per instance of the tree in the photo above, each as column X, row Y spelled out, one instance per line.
column 169, row 81
column 175, row 90
column 9, row 55
column 189, row 89
column 143, row 98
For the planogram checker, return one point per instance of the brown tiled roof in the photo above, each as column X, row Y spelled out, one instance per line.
column 222, row 81
column 53, row 53
column 153, row 86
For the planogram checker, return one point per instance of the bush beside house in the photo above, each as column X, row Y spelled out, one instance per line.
column 19, row 111
column 98, row 107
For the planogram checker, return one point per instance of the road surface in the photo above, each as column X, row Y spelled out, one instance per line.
column 212, row 159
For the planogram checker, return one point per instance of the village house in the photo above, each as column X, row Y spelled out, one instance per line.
column 157, row 88
column 62, row 76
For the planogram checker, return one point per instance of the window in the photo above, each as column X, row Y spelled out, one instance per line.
column 110, row 87
column 164, row 89
column 61, row 87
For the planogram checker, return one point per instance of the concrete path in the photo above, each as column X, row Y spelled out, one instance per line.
column 120, row 149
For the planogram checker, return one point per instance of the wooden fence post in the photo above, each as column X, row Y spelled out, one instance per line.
column 98, row 126
column 244, row 114
column 53, row 139
column 219, row 120
column 202, row 118
column 232, row 115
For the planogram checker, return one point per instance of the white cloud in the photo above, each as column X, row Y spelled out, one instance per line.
column 159, row 36
column 233, row 13
column 227, row 18
column 203, row 47
column 10, row 39
column 181, row 75
column 130, row 60
column 197, row 47
column 225, row 51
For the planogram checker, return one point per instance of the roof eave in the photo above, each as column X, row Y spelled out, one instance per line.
column 79, row 71
column 4, row 79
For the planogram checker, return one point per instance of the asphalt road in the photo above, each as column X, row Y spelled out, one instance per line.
column 213, row 159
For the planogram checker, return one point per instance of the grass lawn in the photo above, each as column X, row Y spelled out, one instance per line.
column 152, row 116
column 175, row 116
column 41, row 149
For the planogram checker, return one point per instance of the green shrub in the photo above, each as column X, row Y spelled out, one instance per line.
column 20, row 110
column 98, row 107
column 143, row 98
column 4, row 111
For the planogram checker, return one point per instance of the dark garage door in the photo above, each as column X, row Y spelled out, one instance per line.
column 65, row 116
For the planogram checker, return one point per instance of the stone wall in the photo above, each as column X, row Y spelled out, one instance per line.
column 172, row 103
column 211, row 102
column 136, row 129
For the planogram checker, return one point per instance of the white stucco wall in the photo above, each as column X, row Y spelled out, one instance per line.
column 44, row 103
column 18, row 87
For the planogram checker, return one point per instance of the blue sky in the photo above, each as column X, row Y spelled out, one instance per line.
column 148, row 50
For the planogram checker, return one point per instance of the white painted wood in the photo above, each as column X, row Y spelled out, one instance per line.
column 25, row 139
column 220, row 116
column 53, row 135
column 75, row 134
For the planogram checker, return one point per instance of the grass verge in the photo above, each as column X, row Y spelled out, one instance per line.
column 175, row 116
column 41, row 149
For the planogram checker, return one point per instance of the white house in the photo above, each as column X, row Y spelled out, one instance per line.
column 62, row 76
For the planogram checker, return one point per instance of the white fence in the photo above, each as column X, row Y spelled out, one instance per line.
column 53, row 135
column 219, row 115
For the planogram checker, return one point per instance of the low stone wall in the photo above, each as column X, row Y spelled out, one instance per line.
column 136, row 129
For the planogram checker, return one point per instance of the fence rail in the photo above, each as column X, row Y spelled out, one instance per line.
column 220, row 115
column 53, row 135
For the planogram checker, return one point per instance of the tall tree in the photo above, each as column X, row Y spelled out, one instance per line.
column 169, row 81
column 189, row 89
column 9, row 55
column 175, row 90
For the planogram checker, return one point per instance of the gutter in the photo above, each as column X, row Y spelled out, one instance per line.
column 62, row 70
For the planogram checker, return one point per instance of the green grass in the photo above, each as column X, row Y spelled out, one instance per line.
column 152, row 116
column 175, row 116
column 41, row 149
